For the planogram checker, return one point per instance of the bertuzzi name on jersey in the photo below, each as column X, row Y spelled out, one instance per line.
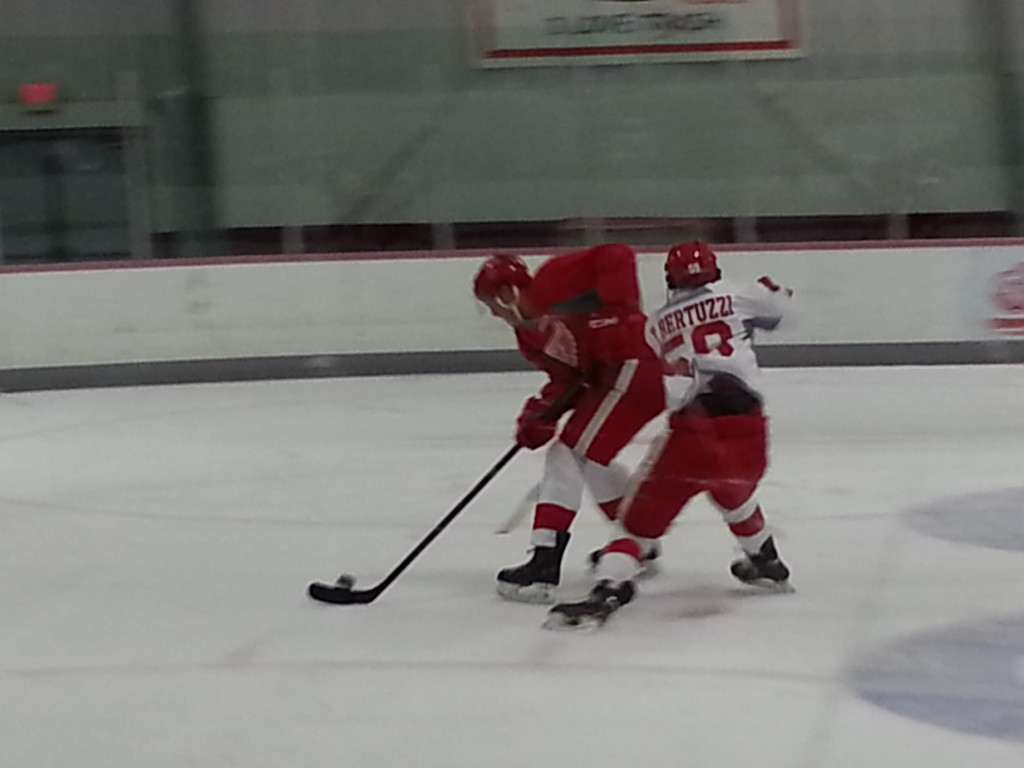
column 698, row 325
column 713, row 308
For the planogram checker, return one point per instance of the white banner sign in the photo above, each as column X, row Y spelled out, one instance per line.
column 510, row 33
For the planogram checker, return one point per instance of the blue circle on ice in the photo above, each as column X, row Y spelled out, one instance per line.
column 993, row 519
column 968, row 678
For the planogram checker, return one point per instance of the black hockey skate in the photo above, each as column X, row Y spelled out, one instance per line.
column 764, row 569
column 593, row 611
column 535, row 580
column 649, row 565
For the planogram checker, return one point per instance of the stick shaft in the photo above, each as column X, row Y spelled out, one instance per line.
column 445, row 521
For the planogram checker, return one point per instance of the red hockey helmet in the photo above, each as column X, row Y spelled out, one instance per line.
column 690, row 265
column 503, row 270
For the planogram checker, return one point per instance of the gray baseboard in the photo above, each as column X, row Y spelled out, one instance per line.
column 482, row 361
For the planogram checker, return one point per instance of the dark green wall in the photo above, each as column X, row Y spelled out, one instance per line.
column 319, row 111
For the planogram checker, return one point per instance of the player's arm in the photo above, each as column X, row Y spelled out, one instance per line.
column 767, row 305
column 561, row 376
column 535, row 425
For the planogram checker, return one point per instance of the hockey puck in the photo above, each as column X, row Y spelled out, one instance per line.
column 345, row 581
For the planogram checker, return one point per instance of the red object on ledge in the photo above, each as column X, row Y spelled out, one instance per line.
column 41, row 96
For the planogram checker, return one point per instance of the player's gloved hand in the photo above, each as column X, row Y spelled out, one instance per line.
column 772, row 286
column 532, row 429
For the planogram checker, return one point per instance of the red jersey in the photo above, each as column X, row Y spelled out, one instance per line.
column 590, row 312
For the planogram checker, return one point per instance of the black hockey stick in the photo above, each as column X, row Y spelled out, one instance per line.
column 342, row 591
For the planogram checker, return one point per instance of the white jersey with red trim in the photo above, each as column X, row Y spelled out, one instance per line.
column 708, row 331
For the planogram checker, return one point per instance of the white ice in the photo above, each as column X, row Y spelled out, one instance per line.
column 155, row 544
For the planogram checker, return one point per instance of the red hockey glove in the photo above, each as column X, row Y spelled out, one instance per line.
column 532, row 429
column 772, row 286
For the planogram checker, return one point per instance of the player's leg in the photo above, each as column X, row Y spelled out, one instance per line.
column 611, row 413
column 559, row 496
column 605, row 420
column 607, row 417
column 741, row 450
column 607, row 484
column 612, row 483
column 663, row 487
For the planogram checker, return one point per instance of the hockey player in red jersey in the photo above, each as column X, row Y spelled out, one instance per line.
column 578, row 316
column 716, row 437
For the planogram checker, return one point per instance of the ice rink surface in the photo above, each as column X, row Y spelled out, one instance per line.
column 155, row 544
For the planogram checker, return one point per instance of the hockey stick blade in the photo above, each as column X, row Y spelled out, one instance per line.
column 341, row 595
column 556, row 623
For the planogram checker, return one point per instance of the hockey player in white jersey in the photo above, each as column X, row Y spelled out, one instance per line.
column 716, row 441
